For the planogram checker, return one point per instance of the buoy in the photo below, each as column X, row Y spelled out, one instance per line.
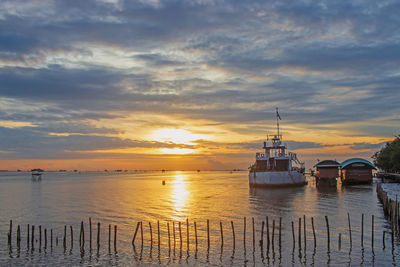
column 163, row 182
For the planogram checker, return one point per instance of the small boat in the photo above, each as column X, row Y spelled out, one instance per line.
column 276, row 167
column 37, row 174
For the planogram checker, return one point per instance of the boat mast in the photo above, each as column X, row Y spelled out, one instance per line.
column 277, row 120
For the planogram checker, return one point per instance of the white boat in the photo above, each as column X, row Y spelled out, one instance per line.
column 37, row 174
column 277, row 167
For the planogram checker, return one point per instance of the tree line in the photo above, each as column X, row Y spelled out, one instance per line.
column 388, row 158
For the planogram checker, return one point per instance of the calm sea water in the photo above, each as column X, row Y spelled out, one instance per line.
column 123, row 199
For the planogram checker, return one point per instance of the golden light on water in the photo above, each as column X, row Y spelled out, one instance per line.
column 180, row 193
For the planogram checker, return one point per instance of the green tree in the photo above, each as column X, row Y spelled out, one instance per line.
column 388, row 158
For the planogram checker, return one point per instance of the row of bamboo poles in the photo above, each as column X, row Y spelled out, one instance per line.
column 391, row 209
column 269, row 232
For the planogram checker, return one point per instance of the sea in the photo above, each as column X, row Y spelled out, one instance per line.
column 206, row 206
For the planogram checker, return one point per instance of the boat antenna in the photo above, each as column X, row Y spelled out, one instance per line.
column 278, row 117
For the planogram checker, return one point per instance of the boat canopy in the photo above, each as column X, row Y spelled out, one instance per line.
column 327, row 163
column 356, row 160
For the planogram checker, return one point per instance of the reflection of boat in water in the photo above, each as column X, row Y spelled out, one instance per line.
column 275, row 167
column 37, row 174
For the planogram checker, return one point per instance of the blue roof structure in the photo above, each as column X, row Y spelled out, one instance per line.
column 355, row 160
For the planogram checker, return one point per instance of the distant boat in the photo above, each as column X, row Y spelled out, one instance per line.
column 275, row 167
column 37, row 174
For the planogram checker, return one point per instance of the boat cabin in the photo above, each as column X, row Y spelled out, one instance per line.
column 327, row 169
column 356, row 171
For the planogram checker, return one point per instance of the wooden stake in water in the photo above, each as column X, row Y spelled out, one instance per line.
column 158, row 234
column 134, row 235
column 267, row 228
column 72, row 236
column 372, row 232
column 115, row 236
column 348, row 218
column 300, row 233
column 109, row 236
column 141, row 232
column 233, row 235
column 195, row 232
column 280, row 232
column 98, row 235
column 262, row 234
column 340, row 241
column 293, row 237
column 169, row 237
column 383, row 240
column 65, row 237
column 27, row 237
column 151, row 235
column 273, row 233
column 313, row 230
column 362, row 230
column 51, row 237
column 244, row 231
column 18, row 236
column 10, row 234
column 208, row 234
column 33, row 235
column 305, row 232
column 327, row 230
column 173, row 231
column 222, row 234
column 40, row 236
column 83, row 234
column 180, row 235
column 187, row 234
column 90, row 233
column 254, row 235
column 45, row 238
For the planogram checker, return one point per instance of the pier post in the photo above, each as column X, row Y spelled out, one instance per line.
column 33, row 236
column 72, row 236
column 244, row 231
column 300, row 233
column 151, row 235
column 180, row 235
column 222, row 234
column 305, row 233
column 348, row 218
column 187, row 234
column 45, row 237
column 169, row 237
column 254, row 235
column 109, row 236
column 362, row 230
column 65, row 237
column 18, row 236
column 90, row 233
column 273, row 234
column 40, row 236
column 267, row 229
column 27, row 236
column 327, row 231
column 51, row 237
column 134, row 235
column 208, row 233
column 195, row 233
column 141, row 232
column 158, row 233
column 262, row 234
column 340, row 241
column 313, row 231
column 10, row 234
column 372, row 232
column 233, row 235
column 294, row 239
column 280, row 232
column 115, row 236
column 98, row 236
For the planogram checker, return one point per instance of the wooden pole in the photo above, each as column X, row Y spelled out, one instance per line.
column 244, row 231
column 173, row 231
column 98, row 235
column 313, row 230
column 348, row 218
column 383, row 240
column 10, row 234
column 187, row 234
column 222, row 233
column 254, row 234
column 115, row 236
column 40, row 236
column 262, row 234
column 90, row 233
column 27, row 237
column 273, row 233
column 208, row 233
column 83, row 234
column 280, row 232
column 327, row 230
column 305, row 232
column 362, row 230
column 51, row 237
column 65, row 237
column 180, row 235
column 18, row 236
column 294, row 239
column 340, row 241
column 109, row 236
column 233, row 235
column 158, row 233
column 134, row 235
column 45, row 237
column 300, row 233
column 72, row 236
column 141, row 232
column 195, row 232
column 267, row 228
column 169, row 237
column 33, row 236
column 372, row 232
column 151, row 235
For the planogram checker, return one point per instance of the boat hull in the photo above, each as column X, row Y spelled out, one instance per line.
column 277, row 179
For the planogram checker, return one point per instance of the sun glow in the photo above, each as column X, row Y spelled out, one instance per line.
column 177, row 151
column 177, row 136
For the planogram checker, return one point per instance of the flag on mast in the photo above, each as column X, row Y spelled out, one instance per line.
column 277, row 114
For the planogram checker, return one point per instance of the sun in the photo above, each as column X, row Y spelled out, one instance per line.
column 178, row 137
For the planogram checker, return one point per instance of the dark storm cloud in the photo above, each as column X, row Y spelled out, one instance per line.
column 292, row 54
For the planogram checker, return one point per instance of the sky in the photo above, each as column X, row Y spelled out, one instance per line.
column 186, row 85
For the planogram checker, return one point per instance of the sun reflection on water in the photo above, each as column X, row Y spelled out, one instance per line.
column 180, row 193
